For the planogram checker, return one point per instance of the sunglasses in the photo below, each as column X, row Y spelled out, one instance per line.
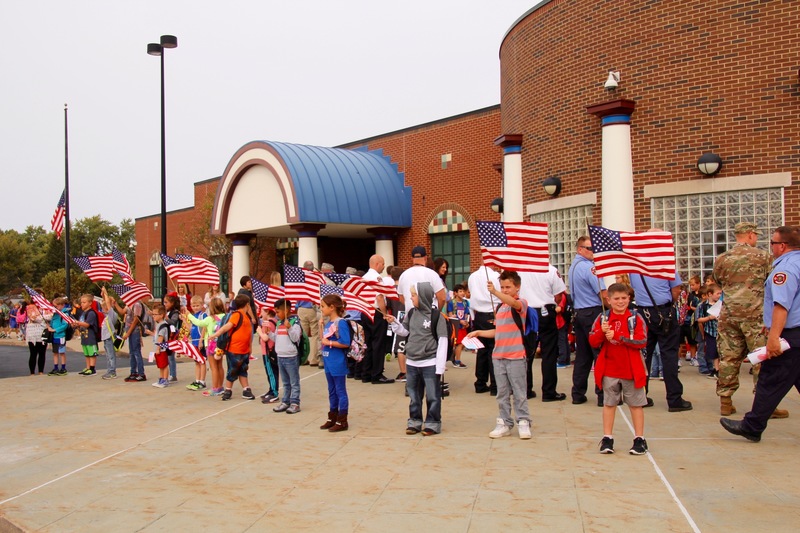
column 590, row 248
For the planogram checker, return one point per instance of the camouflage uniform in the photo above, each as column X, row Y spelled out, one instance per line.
column 741, row 272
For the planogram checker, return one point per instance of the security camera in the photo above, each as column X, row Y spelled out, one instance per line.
column 613, row 80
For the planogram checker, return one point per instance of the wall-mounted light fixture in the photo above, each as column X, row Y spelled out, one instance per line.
column 613, row 80
column 552, row 186
column 709, row 164
column 497, row 205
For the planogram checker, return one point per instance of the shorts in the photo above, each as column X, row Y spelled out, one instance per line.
column 162, row 360
column 89, row 351
column 711, row 348
column 238, row 364
column 58, row 347
column 460, row 335
column 686, row 335
column 614, row 388
column 202, row 350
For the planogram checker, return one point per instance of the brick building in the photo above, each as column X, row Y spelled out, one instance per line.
column 712, row 77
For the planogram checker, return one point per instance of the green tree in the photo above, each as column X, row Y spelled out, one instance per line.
column 55, row 282
column 15, row 264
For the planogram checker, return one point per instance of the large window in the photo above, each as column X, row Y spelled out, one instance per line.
column 702, row 224
column 157, row 281
column 454, row 247
column 564, row 226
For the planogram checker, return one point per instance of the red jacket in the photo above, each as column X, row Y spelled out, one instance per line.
column 621, row 357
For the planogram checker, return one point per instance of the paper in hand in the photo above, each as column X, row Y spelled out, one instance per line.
column 472, row 343
column 760, row 354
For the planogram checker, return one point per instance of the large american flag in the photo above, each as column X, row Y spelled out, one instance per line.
column 190, row 269
column 120, row 262
column 57, row 222
column 265, row 295
column 97, row 267
column 618, row 252
column 45, row 305
column 301, row 284
column 186, row 348
column 130, row 293
column 352, row 302
column 520, row 246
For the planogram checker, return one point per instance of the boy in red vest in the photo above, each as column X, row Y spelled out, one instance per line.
column 621, row 334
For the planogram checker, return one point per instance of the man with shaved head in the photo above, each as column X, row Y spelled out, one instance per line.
column 375, row 331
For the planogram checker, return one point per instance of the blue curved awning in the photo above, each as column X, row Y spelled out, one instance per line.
column 336, row 185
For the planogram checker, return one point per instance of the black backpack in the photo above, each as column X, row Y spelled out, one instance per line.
column 224, row 339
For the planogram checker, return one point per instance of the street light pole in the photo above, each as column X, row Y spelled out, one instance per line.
column 157, row 49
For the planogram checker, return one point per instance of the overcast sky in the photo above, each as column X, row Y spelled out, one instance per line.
column 319, row 72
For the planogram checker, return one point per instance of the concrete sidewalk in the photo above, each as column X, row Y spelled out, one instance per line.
column 83, row 454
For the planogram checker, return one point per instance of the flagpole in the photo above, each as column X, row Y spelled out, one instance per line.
column 66, row 204
column 599, row 288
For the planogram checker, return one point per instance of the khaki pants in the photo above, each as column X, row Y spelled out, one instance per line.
column 309, row 321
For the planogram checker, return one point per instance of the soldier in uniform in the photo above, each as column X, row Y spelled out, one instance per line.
column 781, row 371
column 741, row 272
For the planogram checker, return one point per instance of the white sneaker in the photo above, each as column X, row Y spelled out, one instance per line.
column 524, row 427
column 501, row 430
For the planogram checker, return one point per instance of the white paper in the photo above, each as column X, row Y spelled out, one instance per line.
column 760, row 354
column 472, row 343
column 715, row 309
column 152, row 357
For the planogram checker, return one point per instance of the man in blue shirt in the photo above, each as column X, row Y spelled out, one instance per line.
column 781, row 370
column 586, row 290
column 662, row 329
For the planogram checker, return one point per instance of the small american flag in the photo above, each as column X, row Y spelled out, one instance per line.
column 301, row 284
column 336, row 277
column 352, row 302
column 520, row 246
column 186, row 348
column 57, row 222
column 43, row 304
column 619, row 252
column 120, row 262
column 97, row 267
column 189, row 269
column 132, row 293
column 266, row 295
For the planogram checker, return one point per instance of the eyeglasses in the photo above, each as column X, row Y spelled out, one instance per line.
column 773, row 243
column 589, row 248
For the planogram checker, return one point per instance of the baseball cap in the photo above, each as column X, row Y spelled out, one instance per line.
column 418, row 251
column 746, row 227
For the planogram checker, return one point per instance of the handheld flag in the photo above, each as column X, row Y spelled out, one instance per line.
column 266, row 295
column 619, row 252
column 520, row 246
column 42, row 303
column 97, row 267
column 302, row 284
column 189, row 269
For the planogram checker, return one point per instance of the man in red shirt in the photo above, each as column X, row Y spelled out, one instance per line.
column 620, row 371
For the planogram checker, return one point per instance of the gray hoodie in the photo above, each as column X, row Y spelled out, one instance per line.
column 421, row 344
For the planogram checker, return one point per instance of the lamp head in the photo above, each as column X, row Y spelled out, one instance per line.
column 613, row 80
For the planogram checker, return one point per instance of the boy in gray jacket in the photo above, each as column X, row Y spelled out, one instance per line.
column 426, row 356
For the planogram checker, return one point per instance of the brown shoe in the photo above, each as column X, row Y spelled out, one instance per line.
column 331, row 420
column 341, row 423
column 780, row 413
column 726, row 407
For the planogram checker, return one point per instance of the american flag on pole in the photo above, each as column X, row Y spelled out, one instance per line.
column 336, row 277
column 127, row 279
column 186, row 348
column 301, row 284
column 352, row 302
column 97, row 267
column 57, row 222
column 388, row 291
column 189, row 269
column 43, row 304
column 266, row 295
column 619, row 252
column 120, row 262
column 132, row 293
column 520, row 246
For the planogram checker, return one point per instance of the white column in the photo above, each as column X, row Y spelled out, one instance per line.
column 384, row 248
column 617, row 172
column 512, row 177
column 307, row 250
column 241, row 261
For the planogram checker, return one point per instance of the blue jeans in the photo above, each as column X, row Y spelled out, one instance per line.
column 111, row 355
column 656, row 367
column 289, row 368
column 135, row 349
column 704, row 365
column 419, row 381
column 173, row 365
column 337, row 393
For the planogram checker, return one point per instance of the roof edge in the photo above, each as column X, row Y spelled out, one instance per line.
column 523, row 16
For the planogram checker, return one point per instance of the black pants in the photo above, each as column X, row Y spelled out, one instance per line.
column 483, row 360
column 777, row 377
column 38, row 352
column 375, row 337
column 584, row 353
column 668, row 339
column 547, row 339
